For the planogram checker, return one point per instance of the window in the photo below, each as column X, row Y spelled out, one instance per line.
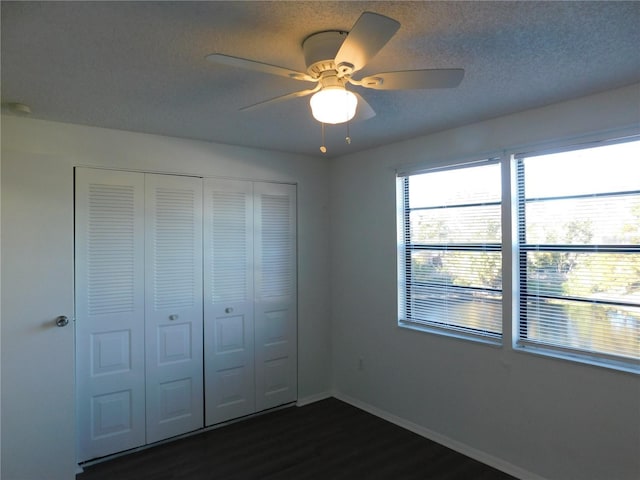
column 579, row 251
column 450, row 261
column 574, row 254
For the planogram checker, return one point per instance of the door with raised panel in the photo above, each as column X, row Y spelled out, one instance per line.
column 109, row 272
column 173, row 305
column 275, row 294
column 138, row 309
column 228, row 309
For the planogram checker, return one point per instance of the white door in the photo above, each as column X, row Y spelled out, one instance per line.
column 275, row 294
column 228, row 310
column 109, row 311
column 173, row 305
column 38, row 425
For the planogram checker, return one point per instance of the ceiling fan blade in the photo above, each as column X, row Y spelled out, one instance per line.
column 364, row 110
column 258, row 67
column 369, row 34
column 288, row 96
column 414, row 79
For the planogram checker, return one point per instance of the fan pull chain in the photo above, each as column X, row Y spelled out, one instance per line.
column 348, row 137
column 323, row 149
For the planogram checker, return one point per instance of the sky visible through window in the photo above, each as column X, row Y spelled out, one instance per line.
column 585, row 171
column 454, row 187
column 609, row 168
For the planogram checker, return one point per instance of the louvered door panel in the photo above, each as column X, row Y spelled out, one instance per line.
column 173, row 305
column 275, row 294
column 228, row 310
column 109, row 311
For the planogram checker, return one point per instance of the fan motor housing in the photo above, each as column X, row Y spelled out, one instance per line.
column 320, row 50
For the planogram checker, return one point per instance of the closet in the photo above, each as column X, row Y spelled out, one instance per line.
column 250, row 297
column 185, row 304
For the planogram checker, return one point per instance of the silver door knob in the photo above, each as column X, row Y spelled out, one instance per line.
column 62, row 321
column 173, row 317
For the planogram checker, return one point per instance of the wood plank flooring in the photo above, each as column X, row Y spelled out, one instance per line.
column 325, row 440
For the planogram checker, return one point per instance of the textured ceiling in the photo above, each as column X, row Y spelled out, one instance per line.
column 141, row 66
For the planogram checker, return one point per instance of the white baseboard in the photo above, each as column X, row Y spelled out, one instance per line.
column 316, row 397
column 459, row 447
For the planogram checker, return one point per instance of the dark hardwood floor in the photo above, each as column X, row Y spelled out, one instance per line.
column 325, row 440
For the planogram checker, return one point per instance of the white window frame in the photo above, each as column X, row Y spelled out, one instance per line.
column 510, row 249
column 519, row 341
column 450, row 330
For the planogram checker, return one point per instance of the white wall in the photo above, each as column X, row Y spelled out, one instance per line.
column 63, row 146
column 536, row 417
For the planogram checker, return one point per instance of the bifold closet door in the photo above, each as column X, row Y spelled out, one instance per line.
column 228, row 306
column 109, row 271
column 275, row 294
column 250, row 298
column 138, row 309
column 173, row 305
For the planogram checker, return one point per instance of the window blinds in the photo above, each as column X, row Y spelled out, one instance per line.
column 450, row 261
column 579, row 250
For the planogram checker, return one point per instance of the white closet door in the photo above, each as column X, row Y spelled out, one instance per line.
column 275, row 294
column 228, row 310
column 173, row 305
column 109, row 311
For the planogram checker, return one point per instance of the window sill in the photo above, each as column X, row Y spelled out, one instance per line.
column 619, row 365
column 492, row 341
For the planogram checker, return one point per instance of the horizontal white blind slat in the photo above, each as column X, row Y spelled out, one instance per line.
column 452, row 260
column 579, row 232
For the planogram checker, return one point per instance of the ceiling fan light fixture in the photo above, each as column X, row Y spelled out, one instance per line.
column 333, row 105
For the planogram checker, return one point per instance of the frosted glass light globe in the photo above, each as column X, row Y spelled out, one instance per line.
column 333, row 105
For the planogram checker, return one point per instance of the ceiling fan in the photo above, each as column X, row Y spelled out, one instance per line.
column 333, row 57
